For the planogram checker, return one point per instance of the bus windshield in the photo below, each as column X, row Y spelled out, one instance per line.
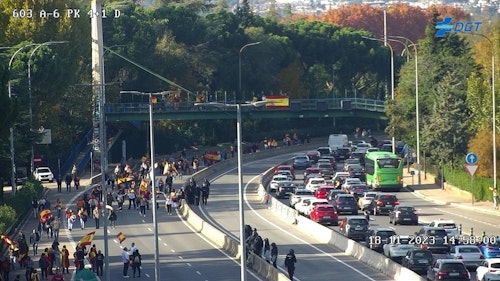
column 388, row 162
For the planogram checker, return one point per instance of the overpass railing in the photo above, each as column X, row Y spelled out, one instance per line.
column 294, row 105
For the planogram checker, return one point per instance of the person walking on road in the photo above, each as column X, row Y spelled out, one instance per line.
column 205, row 191
column 126, row 261
column 65, row 259
column 112, row 219
column 68, row 181
column 56, row 226
column 290, row 261
column 59, row 183
column 136, row 263
column 95, row 214
column 274, row 254
column 494, row 197
column 34, row 238
column 99, row 263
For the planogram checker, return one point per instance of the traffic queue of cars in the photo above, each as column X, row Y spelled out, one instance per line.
column 436, row 250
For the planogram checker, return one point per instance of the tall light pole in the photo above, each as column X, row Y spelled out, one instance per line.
column 239, row 67
column 12, row 149
column 417, row 110
column 152, row 175
column 493, row 107
column 392, row 77
column 243, row 252
column 29, row 90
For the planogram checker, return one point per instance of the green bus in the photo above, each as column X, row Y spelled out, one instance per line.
column 384, row 171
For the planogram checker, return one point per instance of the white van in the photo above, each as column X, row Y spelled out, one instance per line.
column 336, row 141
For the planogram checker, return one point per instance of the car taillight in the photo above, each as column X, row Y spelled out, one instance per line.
column 380, row 203
column 414, row 212
column 441, row 273
column 465, row 273
column 493, row 270
column 396, row 203
column 423, row 247
column 460, row 257
column 490, row 248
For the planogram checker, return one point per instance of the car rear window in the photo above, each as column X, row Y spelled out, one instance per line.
column 317, row 181
column 326, row 209
column 385, row 234
column 422, row 254
column 303, row 192
column 406, row 208
column 468, row 250
column 358, row 222
column 347, row 199
column 452, row 266
column 437, row 232
column 447, row 225
column 495, row 265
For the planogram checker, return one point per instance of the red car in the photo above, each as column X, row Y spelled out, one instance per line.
column 285, row 167
column 324, row 214
column 323, row 191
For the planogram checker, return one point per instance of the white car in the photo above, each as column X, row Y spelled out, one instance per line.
column 306, row 204
column 298, row 194
column 286, row 173
column 470, row 255
column 366, row 200
column 277, row 179
column 448, row 225
column 314, row 183
column 488, row 270
column 43, row 174
column 398, row 246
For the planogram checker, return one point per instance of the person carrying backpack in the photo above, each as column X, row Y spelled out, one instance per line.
column 290, row 261
column 136, row 263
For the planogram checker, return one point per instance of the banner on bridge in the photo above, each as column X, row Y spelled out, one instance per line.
column 277, row 102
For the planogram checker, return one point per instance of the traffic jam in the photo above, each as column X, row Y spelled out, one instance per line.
column 353, row 187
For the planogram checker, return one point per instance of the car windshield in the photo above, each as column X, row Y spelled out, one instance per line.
column 468, row 250
column 422, row 254
column 358, row 222
column 388, row 162
column 453, row 266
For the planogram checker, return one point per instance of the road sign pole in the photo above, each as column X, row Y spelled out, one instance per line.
column 472, row 190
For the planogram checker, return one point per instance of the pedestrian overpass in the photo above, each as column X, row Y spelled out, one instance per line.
column 300, row 108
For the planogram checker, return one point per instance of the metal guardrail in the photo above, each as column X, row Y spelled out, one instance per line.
column 294, row 105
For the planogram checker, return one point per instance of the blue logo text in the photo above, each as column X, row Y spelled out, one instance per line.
column 446, row 26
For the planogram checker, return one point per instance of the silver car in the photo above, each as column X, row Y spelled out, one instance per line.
column 470, row 255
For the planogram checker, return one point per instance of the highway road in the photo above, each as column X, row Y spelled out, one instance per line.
column 184, row 254
column 316, row 261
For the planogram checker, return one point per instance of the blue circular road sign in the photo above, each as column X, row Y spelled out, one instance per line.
column 471, row 158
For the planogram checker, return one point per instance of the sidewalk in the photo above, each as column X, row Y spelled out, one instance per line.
column 51, row 194
column 450, row 195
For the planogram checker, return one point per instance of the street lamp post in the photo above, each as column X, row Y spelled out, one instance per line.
column 29, row 90
column 12, row 149
column 417, row 110
column 392, row 79
column 152, row 175
column 239, row 66
column 243, row 252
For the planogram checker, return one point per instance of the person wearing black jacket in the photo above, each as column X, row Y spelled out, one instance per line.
column 205, row 190
column 290, row 261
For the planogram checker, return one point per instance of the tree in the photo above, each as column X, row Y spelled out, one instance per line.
column 481, row 144
column 244, row 13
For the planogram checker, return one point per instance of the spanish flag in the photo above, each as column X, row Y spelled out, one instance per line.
column 277, row 102
column 121, row 237
column 87, row 239
column 8, row 241
column 144, row 185
column 45, row 214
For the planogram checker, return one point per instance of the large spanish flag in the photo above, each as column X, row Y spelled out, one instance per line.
column 87, row 239
column 277, row 102
column 45, row 214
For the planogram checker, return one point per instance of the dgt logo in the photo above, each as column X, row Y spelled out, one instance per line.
column 446, row 26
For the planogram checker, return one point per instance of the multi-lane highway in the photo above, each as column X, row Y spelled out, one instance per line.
column 185, row 255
